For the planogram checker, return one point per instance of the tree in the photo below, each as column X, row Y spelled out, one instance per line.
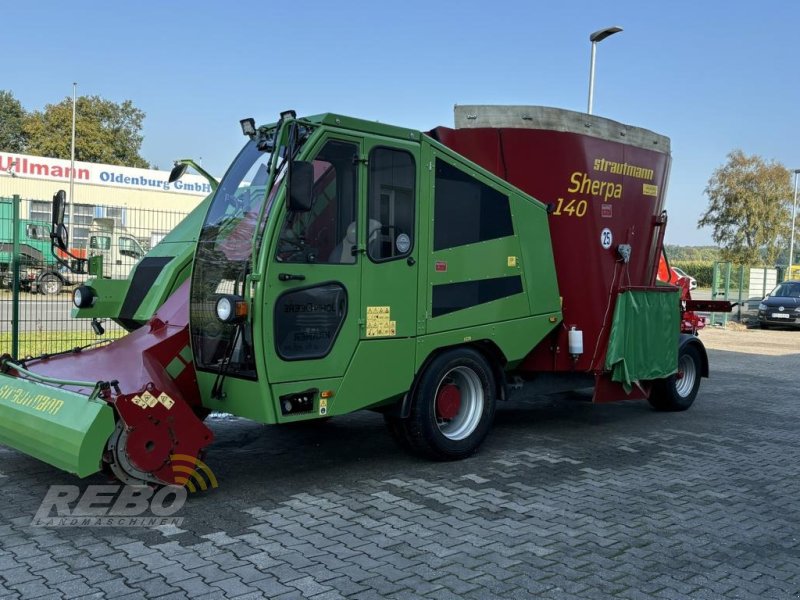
column 12, row 117
column 749, row 208
column 105, row 131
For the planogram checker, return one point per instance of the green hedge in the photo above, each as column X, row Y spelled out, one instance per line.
column 703, row 272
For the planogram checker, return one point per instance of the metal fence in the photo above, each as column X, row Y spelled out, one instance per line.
column 36, row 290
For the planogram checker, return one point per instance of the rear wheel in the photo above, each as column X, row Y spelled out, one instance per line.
column 677, row 392
column 763, row 325
column 452, row 409
column 50, row 284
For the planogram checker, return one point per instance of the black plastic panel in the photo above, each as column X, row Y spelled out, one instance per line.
column 148, row 269
column 450, row 297
column 307, row 320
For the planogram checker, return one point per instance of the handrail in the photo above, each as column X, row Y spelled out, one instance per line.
column 7, row 362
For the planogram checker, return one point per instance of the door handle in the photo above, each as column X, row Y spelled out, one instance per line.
column 290, row 277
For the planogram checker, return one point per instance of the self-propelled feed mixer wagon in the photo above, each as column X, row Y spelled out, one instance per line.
column 344, row 265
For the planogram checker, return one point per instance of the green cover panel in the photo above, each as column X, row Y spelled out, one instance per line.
column 59, row 427
column 644, row 336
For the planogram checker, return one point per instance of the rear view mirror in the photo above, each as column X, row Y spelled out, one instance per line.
column 59, row 236
column 301, row 186
column 177, row 172
column 59, row 206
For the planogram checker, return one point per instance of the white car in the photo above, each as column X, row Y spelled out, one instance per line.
column 681, row 273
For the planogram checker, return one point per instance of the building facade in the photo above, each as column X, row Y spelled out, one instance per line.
column 141, row 200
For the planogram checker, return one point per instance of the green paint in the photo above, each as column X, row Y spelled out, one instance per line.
column 61, row 428
column 186, row 354
column 644, row 336
column 175, row 367
column 365, row 371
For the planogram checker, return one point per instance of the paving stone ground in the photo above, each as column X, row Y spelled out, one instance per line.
column 565, row 500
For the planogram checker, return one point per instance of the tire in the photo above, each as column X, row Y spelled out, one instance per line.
column 763, row 325
column 677, row 392
column 452, row 408
column 50, row 285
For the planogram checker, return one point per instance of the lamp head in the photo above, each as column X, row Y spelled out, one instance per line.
column 601, row 34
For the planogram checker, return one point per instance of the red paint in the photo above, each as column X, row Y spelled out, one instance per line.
column 137, row 362
column 448, row 402
column 156, row 433
column 557, row 168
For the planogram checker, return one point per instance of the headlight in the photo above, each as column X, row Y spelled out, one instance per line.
column 84, row 296
column 762, row 306
column 231, row 308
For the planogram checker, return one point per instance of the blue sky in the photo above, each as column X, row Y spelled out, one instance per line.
column 713, row 76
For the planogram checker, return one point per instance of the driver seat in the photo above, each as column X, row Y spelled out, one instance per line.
column 342, row 253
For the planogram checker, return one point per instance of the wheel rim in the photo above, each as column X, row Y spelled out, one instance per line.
column 686, row 376
column 459, row 403
column 50, row 285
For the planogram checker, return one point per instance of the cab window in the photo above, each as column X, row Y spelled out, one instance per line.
column 100, row 242
column 327, row 233
column 390, row 214
column 130, row 247
column 466, row 210
column 37, row 232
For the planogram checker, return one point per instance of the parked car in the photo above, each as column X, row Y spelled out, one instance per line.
column 781, row 306
column 679, row 273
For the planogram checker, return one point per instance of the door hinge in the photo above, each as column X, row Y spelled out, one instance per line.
column 358, row 159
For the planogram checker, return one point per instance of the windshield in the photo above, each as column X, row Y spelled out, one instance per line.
column 222, row 259
column 787, row 290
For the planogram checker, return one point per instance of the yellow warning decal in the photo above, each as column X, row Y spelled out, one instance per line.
column 512, row 261
column 323, row 406
column 379, row 322
column 149, row 400
column 648, row 189
column 166, row 401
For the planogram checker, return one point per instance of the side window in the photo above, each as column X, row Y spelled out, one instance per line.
column 390, row 214
column 326, row 233
column 129, row 247
column 37, row 232
column 100, row 242
column 466, row 210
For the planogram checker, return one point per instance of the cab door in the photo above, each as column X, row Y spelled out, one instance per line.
column 389, row 273
column 313, row 277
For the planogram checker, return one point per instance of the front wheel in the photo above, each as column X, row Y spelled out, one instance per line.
column 677, row 392
column 453, row 406
column 50, row 284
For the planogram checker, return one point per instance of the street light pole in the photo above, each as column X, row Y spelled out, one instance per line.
column 794, row 212
column 71, row 213
column 597, row 36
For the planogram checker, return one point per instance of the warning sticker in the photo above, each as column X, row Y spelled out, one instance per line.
column 166, row 401
column 323, row 406
column 512, row 261
column 606, row 211
column 648, row 189
column 379, row 322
